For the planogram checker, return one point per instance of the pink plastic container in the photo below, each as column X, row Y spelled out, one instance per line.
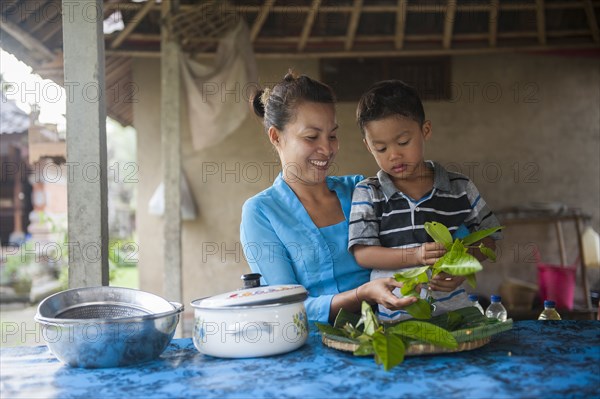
column 556, row 282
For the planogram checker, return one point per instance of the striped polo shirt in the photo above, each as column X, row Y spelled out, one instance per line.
column 382, row 215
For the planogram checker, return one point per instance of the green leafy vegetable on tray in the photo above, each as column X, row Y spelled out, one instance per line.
column 388, row 343
column 456, row 261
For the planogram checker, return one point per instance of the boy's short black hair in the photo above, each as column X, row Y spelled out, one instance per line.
column 386, row 98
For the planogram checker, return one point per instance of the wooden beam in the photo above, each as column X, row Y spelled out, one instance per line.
column 26, row 39
column 308, row 24
column 377, row 53
column 260, row 19
column 132, row 24
column 413, row 8
column 449, row 23
column 87, row 199
column 26, row 13
column 493, row 22
column 54, row 29
column 540, row 13
column 170, row 126
column 51, row 15
column 353, row 25
column 591, row 18
column 400, row 24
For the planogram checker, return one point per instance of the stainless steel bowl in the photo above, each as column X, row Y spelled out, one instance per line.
column 107, row 326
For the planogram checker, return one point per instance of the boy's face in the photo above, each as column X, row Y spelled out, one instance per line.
column 398, row 145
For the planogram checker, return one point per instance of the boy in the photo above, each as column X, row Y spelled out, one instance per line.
column 389, row 211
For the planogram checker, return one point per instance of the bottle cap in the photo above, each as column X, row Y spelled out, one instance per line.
column 549, row 304
column 473, row 297
column 496, row 298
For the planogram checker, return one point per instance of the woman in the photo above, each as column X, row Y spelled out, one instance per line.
column 296, row 231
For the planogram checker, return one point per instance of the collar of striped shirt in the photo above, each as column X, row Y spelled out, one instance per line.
column 441, row 180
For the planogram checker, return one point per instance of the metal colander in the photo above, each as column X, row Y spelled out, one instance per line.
column 102, row 304
column 107, row 326
column 103, row 311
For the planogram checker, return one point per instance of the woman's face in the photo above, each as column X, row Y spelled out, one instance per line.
column 308, row 144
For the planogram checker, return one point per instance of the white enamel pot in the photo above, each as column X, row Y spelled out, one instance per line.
column 252, row 322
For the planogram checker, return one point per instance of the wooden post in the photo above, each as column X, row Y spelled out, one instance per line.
column 170, row 127
column 83, row 41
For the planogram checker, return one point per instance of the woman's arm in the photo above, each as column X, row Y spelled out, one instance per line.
column 266, row 254
column 375, row 291
column 377, row 257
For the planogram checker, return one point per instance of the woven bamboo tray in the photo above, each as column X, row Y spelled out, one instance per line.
column 414, row 349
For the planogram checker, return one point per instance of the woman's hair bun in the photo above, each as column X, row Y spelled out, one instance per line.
column 290, row 76
column 257, row 104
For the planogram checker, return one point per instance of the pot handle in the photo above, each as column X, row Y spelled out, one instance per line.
column 178, row 306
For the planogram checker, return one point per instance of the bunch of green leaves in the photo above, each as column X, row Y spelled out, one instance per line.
column 387, row 344
column 456, row 262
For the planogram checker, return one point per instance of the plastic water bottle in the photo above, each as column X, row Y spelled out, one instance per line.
column 474, row 299
column 549, row 312
column 496, row 310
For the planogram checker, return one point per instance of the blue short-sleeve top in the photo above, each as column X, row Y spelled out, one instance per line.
column 281, row 242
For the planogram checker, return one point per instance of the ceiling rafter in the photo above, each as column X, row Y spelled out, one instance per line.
column 260, row 19
column 142, row 12
column 308, row 24
column 591, row 18
column 449, row 23
column 400, row 24
column 540, row 16
column 52, row 14
column 26, row 13
column 493, row 22
column 353, row 25
column 28, row 40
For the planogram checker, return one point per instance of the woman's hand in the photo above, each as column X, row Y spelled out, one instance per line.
column 380, row 291
column 445, row 282
column 429, row 253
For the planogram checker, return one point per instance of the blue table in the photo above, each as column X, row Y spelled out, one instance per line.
column 535, row 359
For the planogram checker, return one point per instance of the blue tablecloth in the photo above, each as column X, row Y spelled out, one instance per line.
column 535, row 359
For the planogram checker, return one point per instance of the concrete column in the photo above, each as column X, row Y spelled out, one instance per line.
column 83, row 41
column 170, row 127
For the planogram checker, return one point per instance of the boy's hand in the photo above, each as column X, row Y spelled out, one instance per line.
column 429, row 253
column 445, row 282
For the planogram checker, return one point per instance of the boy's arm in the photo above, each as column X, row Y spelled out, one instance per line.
column 378, row 257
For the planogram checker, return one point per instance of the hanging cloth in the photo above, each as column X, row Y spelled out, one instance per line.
column 218, row 94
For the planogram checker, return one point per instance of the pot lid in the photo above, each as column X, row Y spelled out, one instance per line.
column 256, row 296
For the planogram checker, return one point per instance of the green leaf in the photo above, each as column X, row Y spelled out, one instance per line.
column 488, row 252
column 420, row 309
column 454, row 319
column 389, row 349
column 480, row 235
column 330, row 330
column 344, row 317
column 368, row 318
column 408, row 287
column 426, row 332
column 365, row 348
column 439, row 233
column 411, row 273
column 457, row 249
column 482, row 329
column 472, row 280
column 461, row 266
